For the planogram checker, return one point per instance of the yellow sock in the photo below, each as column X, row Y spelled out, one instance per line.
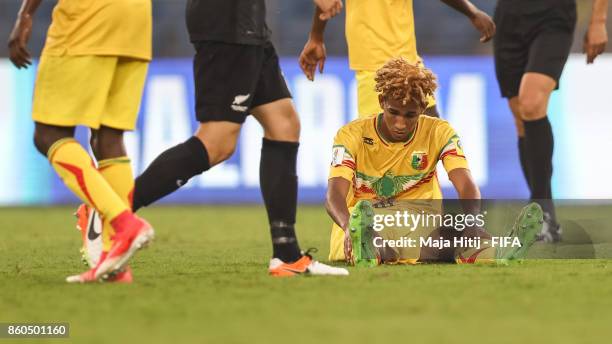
column 118, row 174
column 75, row 167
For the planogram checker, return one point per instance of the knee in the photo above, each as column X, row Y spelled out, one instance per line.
column 532, row 107
column 218, row 153
column 107, row 144
column 287, row 128
column 520, row 126
column 41, row 144
column 46, row 135
column 43, row 140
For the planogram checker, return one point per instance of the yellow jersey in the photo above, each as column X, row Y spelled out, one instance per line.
column 380, row 170
column 101, row 27
column 377, row 30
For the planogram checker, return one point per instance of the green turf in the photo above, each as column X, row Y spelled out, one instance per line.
column 204, row 281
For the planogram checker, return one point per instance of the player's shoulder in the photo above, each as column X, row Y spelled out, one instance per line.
column 357, row 127
column 433, row 124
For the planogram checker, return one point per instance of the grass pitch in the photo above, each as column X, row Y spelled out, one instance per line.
column 204, row 280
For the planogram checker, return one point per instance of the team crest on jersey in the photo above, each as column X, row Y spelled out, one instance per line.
column 419, row 160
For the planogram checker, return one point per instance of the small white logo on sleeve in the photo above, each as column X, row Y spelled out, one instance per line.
column 238, row 101
column 337, row 156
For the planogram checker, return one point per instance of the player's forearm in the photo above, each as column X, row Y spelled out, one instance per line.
column 28, row 8
column 470, row 199
column 335, row 204
column 463, row 6
column 599, row 15
column 318, row 25
column 467, row 190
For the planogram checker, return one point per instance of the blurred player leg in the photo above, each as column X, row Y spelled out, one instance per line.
column 274, row 110
column 520, row 130
column 60, row 79
column 531, row 48
column 221, row 108
column 213, row 143
column 74, row 165
column 115, row 167
column 533, row 98
column 277, row 174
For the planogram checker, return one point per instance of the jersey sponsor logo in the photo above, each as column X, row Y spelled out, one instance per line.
column 419, row 160
column 337, row 156
column 368, row 141
column 238, row 101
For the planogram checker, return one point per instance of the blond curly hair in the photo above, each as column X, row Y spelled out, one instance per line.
column 401, row 80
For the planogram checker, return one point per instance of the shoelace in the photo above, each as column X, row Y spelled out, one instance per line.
column 310, row 250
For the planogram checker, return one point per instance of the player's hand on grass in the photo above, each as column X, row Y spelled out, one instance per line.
column 348, row 248
column 595, row 41
column 18, row 40
column 312, row 56
column 484, row 24
column 330, row 8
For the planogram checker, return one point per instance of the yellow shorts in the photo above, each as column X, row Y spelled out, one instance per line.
column 89, row 90
column 367, row 98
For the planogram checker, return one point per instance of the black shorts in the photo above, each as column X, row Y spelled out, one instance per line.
column 532, row 36
column 231, row 79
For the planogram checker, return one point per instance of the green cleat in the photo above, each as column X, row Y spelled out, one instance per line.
column 526, row 228
column 361, row 231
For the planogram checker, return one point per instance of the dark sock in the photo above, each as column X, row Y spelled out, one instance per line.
column 278, row 180
column 169, row 171
column 539, row 148
column 523, row 158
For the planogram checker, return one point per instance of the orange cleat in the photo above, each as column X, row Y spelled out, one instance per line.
column 122, row 276
column 132, row 234
column 89, row 225
column 88, row 276
column 82, row 215
column 304, row 265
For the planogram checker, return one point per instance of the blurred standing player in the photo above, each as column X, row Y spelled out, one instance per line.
column 92, row 72
column 237, row 73
column 532, row 45
column 377, row 31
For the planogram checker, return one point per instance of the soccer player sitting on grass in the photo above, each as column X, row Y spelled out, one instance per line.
column 392, row 157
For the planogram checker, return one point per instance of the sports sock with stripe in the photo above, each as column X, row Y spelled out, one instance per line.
column 278, row 180
column 76, row 169
column 118, row 173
